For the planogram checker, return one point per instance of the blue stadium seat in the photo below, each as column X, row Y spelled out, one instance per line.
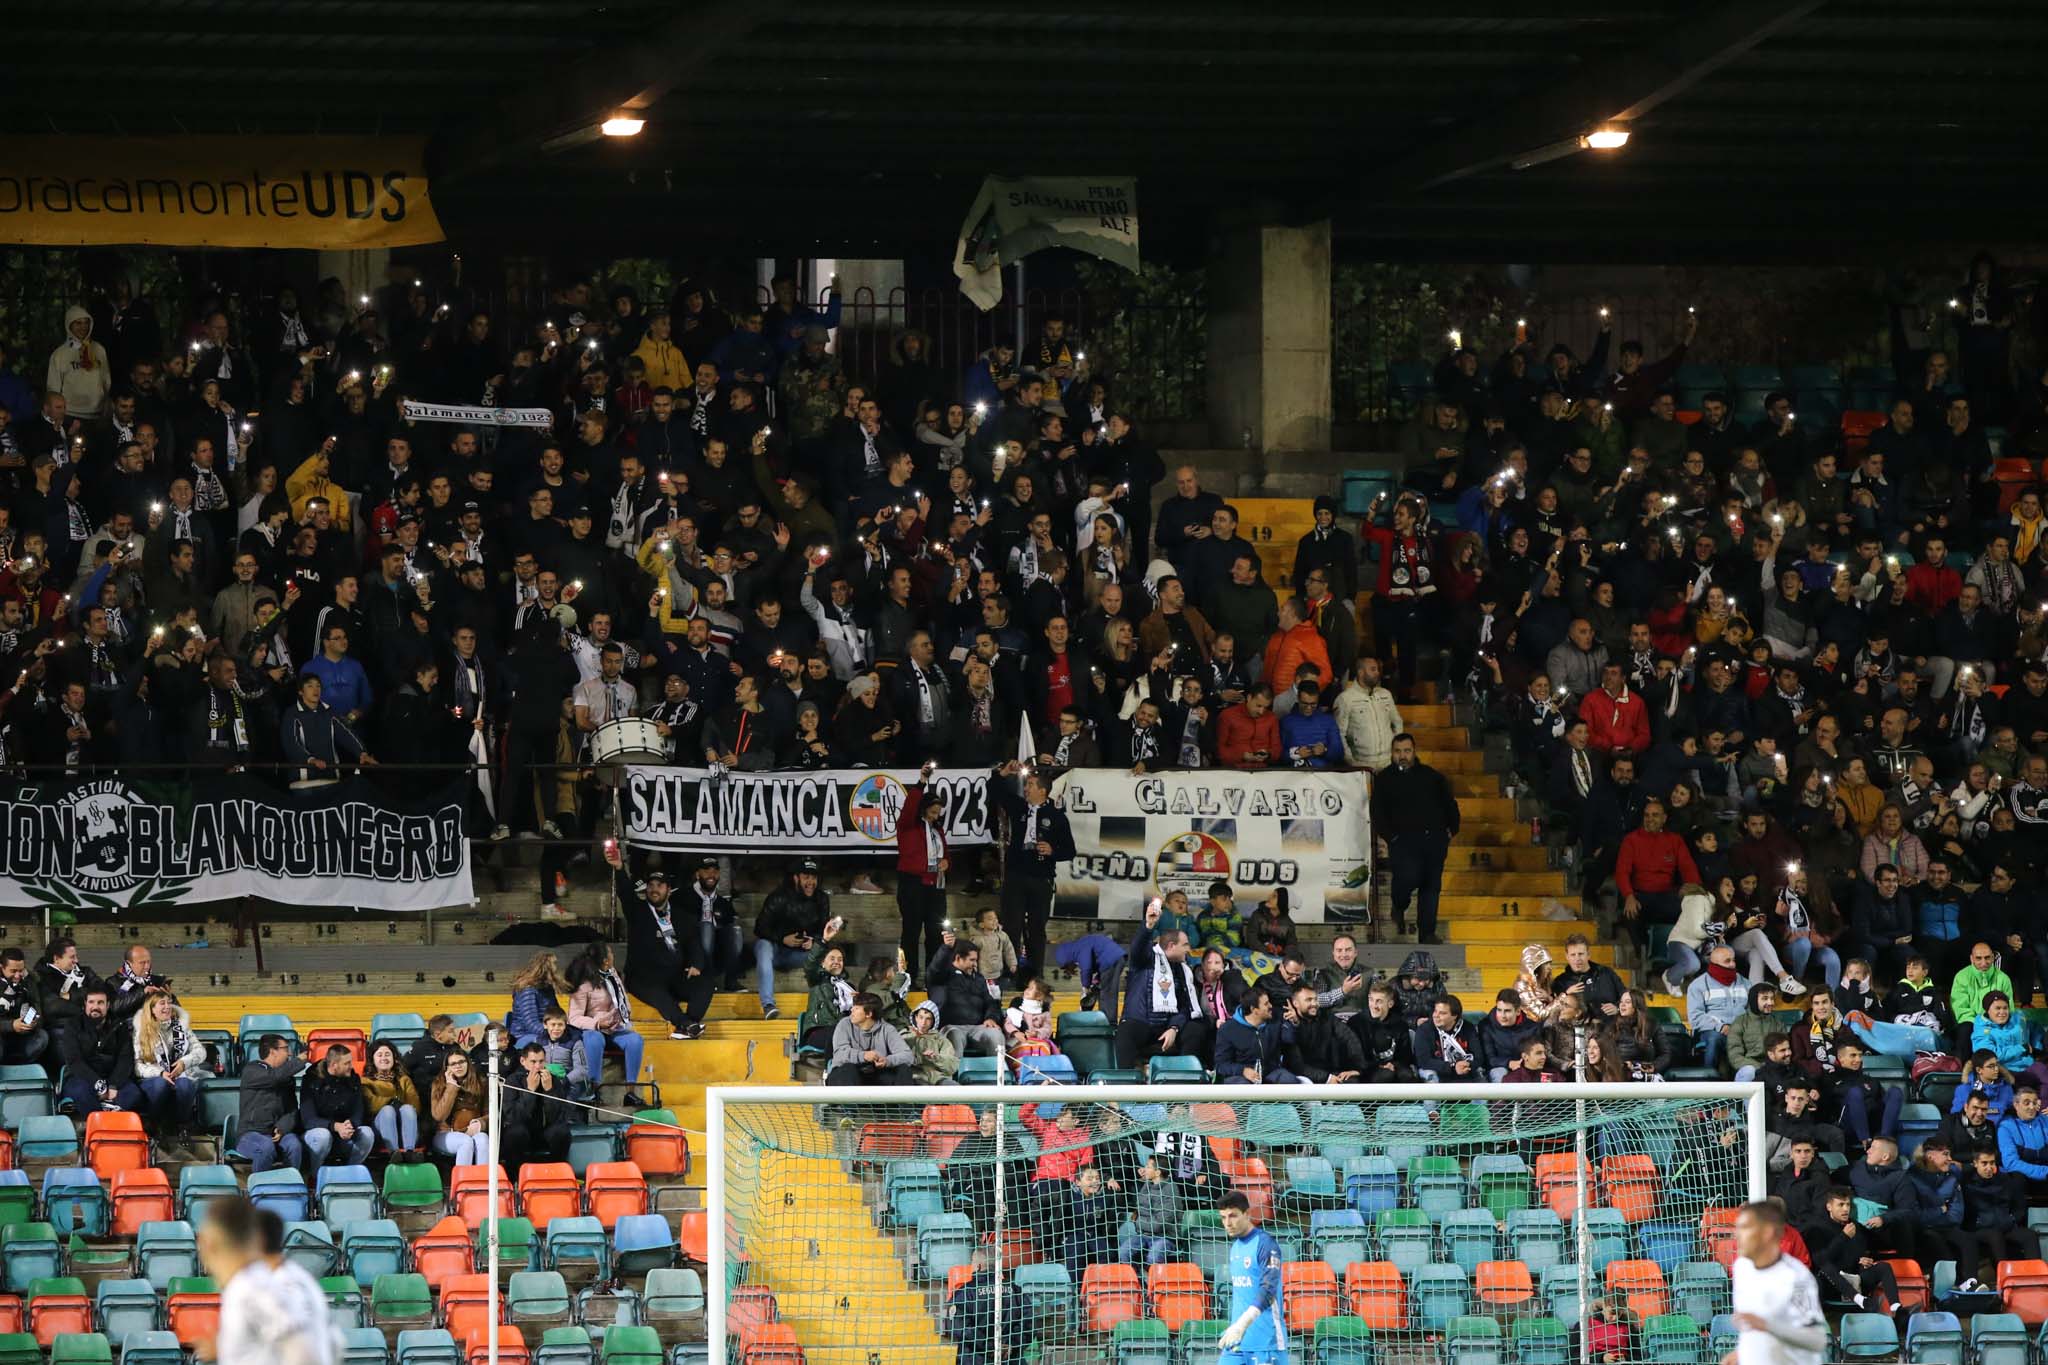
column 428, row 1346
column 400, row 1030
column 373, row 1247
column 152, row 1348
column 1935, row 1338
column 1473, row 1340
column 1338, row 1236
column 1700, row 1289
column 536, row 1300
column 1049, row 1290
column 1404, row 1130
column 912, row 1189
column 47, row 1138
column 1917, row 1123
column 1053, row 1070
column 360, row 1346
column 29, row 1252
column 1469, row 1238
column 25, row 1092
column 1436, row 1185
column 1311, row 1185
column 642, row 1242
column 1535, row 1238
column 577, row 1247
column 1405, row 1237
column 944, row 1240
column 1606, row 1232
column 1372, row 1183
column 979, row 1070
column 1998, row 1339
column 346, row 1193
column 1866, row 1336
column 74, row 1201
column 199, row 1184
column 165, row 1251
column 252, row 1029
column 283, row 1191
column 1669, row 1242
column 123, row 1307
column 1438, row 1293
column 1561, row 1293
column 310, row 1245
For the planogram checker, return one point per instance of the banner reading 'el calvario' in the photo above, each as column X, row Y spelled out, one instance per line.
column 332, row 193
column 105, row 844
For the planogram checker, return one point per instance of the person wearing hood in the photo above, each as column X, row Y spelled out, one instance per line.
column 909, row 380
column 1534, row 990
column 1368, row 717
column 1714, row 1001
column 1330, row 548
column 1248, row 1046
column 933, row 1058
column 79, row 369
column 667, row 366
column 1417, row 984
column 1746, row 1033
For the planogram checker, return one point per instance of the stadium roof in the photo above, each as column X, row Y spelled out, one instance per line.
column 1762, row 129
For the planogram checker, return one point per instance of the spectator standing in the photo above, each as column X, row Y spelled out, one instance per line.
column 921, row 867
column 1161, row 1000
column 1039, row 840
column 78, row 369
column 665, row 962
column 1414, row 819
column 1367, row 717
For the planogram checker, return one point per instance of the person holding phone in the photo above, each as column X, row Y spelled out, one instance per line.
column 23, row 1036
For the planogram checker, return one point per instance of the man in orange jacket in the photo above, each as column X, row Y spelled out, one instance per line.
column 1297, row 642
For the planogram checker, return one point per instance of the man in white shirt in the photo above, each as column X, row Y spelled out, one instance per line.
column 267, row 1315
column 1777, row 1304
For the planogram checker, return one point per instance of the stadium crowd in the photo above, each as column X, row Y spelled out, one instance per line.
column 1785, row 691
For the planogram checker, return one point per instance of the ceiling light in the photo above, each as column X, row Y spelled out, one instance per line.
column 625, row 125
column 1606, row 138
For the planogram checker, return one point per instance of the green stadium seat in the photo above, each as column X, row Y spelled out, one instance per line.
column 1541, row 1341
column 592, row 1144
column 1473, row 1340
column 1176, row 1071
column 518, row 1246
column 1674, row 1338
column 29, row 1252
column 19, row 1348
column 564, row 1346
column 1141, row 1342
column 402, row 1301
column 1088, row 1039
column 1436, row 1185
column 17, row 1198
column 1343, row 1341
column 413, row 1186
column 81, row 1348
column 629, row 1344
column 345, row 1300
column 1502, row 1182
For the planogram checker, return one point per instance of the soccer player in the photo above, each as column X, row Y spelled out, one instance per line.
column 266, row 1318
column 1777, row 1304
column 1257, row 1334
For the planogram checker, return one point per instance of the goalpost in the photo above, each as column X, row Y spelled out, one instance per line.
column 908, row 1225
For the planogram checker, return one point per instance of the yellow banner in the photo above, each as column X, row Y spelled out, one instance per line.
column 1275, row 527
column 330, row 193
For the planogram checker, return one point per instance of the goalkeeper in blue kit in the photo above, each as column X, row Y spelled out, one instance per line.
column 1257, row 1334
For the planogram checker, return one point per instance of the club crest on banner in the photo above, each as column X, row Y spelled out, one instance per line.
column 875, row 806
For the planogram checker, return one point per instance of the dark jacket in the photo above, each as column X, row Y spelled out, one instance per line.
column 964, row 998
column 326, row 1100
column 789, row 911
column 1891, row 1186
column 105, row 1051
column 1417, row 801
column 1321, row 1047
column 1387, row 1044
column 649, row 958
column 1023, row 858
column 58, row 1011
column 269, row 1096
column 1603, row 987
column 1241, row 1045
column 1502, row 1047
column 1431, row 1053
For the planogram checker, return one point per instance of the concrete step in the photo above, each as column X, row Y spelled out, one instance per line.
column 1487, row 881
column 1502, row 857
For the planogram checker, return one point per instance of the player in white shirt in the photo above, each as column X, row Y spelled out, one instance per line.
column 1777, row 1303
column 270, row 1313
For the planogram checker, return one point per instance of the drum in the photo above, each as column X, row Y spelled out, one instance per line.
column 619, row 742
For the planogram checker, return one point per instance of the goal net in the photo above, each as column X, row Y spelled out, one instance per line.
column 1076, row 1224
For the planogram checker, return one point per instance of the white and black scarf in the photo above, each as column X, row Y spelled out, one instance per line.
column 1166, row 974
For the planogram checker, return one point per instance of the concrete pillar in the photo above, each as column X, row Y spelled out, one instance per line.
column 1269, row 338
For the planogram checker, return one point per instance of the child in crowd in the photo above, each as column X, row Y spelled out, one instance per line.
column 998, row 953
column 565, row 1051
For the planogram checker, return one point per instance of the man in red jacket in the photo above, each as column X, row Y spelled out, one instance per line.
column 1617, row 721
column 1654, row 863
column 921, row 866
column 1248, row 734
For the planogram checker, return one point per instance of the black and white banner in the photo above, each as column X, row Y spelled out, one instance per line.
column 101, row 845
column 478, row 417
column 1140, row 836
column 838, row 811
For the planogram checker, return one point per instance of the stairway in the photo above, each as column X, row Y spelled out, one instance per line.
column 1493, row 869
column 838, row 1279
